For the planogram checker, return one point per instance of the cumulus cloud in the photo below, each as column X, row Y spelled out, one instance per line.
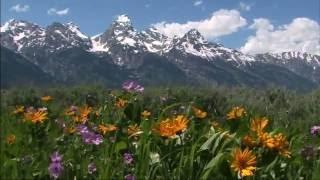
column 302, row 34
column 244, row 7
column 221, row 22
column 62, row 12
column 198, row 3
column 20, row 8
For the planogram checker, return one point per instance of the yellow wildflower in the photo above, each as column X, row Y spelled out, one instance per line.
column 248, row 141
column 282, row 145
column 145, row 114
column 104, row 129
column 18, row 110
column 258, row 125
column 244, row 162
column 199, row 113
column 236, row 113
column 134, row 130
column 121, row 103
column 171, row 127
column 266, row 140
column 82, row 115
column 36, row 116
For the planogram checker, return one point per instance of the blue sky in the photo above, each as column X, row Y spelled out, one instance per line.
column 95, row 16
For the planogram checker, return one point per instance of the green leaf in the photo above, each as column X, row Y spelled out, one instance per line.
column 212, row 165
column 120, row 146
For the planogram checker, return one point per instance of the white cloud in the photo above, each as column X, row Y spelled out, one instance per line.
column 244, row 7
column 20, row 8
column 302, row 34
column 221, row 22
column 198, row 3
column 62, row 12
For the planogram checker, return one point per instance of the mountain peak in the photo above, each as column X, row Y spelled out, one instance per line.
column 14, row 23
column 194, row 34
column 74, row 28
column 123, row 19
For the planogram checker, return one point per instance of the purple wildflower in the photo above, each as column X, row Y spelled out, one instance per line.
column 56, row 157
column 129, row 177
column 55, row 168
column 89, row 137
column 92, row 168
column 132, row 86
column 82, row 129
column 127, row 158
column 92, row 138
column 315, row 130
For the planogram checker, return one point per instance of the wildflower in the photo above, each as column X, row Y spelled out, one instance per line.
column 83, row 114
column 121, row 103
column 18, row 110
column 104, row 129
column 315, row 130
column 282, row 145
column 55, row 168
column 82, row 129
column 11, row 138
column 165, row 129
column 170, row 127
column 92, row 138
column 244, row 162
column 46, row 98
column 154, row 157
column 199, row 113
column 248, row 141
column 132, row 86
column 127, row 158
column 266, row 140
column 258, row 125
column 56, row 157
column 236, row 113
column 92, row 168
column 134, row 130
column 88, row 136
column 129, row 177
column 145, row 114
column 180, row 123
column 35, row 116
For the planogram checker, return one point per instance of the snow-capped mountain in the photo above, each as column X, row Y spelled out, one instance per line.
column 288, row 57
column 17, row 35
column 304, row 64
column 149, row 55
column 193, row 43
column 29, row 38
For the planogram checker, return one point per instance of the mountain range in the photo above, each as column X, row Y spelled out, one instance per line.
column 62, row 54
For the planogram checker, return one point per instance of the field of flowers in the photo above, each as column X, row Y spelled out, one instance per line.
column 179, row 133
